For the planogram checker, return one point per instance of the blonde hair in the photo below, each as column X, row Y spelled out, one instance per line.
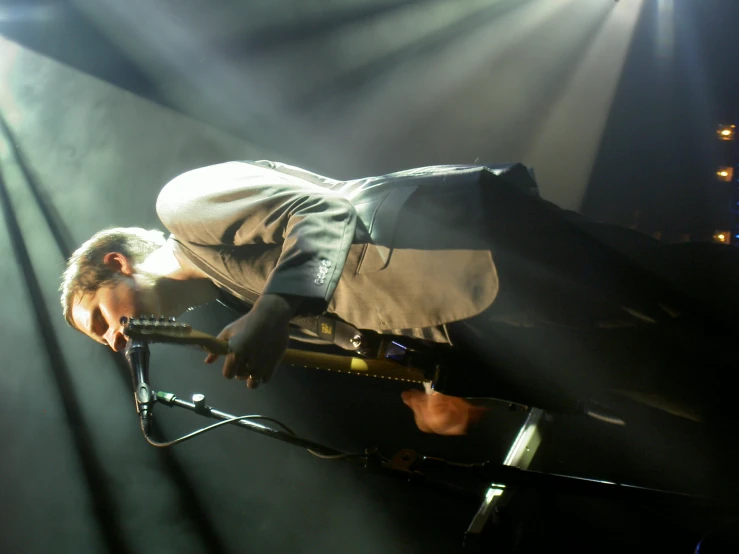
column 86, row 272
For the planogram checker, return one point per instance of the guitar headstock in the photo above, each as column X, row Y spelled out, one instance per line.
column 153, row 329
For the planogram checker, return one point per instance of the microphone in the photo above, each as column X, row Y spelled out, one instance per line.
column 137, row 355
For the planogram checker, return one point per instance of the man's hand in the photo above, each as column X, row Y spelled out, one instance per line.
column 441, row 414
column 258, row 340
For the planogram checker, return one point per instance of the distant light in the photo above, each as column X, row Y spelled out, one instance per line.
column 722, row 237
column 725, row 174
column 725, row 132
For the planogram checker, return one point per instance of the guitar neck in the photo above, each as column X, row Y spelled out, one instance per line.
column 183, row 334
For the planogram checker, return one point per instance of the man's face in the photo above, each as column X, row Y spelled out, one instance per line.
column 98, row 315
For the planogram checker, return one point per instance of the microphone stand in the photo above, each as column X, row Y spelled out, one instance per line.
column 492, row 484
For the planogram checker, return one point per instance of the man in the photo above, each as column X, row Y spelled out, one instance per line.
column 442, row 254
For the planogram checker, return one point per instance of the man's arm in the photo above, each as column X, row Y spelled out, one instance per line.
column 241, row 204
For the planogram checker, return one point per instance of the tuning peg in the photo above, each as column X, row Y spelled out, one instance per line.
column 152, row 317
column 172, row 320
column 162, row 319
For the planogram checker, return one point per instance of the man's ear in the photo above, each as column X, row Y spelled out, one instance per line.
column 118, row 263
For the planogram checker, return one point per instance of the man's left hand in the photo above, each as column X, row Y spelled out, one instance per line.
column 258, row 340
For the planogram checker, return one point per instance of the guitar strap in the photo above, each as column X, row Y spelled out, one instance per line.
column 333, row 330
column 325, row 328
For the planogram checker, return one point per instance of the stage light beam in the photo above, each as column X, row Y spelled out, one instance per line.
column 564, row 150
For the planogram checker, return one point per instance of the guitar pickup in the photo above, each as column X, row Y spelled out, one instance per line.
column 398, row 353
column 423, row 358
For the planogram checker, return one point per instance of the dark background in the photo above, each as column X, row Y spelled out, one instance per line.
column 104, row 102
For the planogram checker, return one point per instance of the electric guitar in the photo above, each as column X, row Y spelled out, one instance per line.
column 445, row 371
column 171, row 332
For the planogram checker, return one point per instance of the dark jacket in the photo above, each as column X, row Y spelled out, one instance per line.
column 359, row 247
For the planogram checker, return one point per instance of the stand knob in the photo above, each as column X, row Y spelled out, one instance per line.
column 199, row 401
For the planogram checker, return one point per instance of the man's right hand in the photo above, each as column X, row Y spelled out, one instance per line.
column 441, row 414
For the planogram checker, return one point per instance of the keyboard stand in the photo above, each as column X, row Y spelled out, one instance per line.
column 520, row 455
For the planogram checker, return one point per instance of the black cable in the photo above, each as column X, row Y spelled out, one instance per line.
column 210, row 428
column 233, row 420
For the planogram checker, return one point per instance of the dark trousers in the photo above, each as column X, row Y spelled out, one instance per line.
column 582, row 315
column 563, row 369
